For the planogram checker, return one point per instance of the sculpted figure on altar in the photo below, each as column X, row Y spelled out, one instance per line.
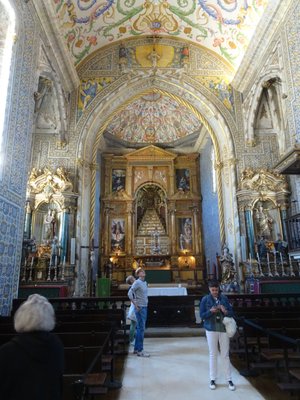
column 227, row 266
column 263, row 222
column 49, row 225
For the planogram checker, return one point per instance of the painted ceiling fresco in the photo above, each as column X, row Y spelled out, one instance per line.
column 223, row 26
column 153, row 118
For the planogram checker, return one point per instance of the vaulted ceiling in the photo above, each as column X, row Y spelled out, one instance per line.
column 223, row 26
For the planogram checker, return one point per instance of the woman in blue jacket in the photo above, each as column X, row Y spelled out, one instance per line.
column 213, row 308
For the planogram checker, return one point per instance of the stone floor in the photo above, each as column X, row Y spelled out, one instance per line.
column 177, row 369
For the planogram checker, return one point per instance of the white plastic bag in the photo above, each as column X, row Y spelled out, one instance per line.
column 230, row 326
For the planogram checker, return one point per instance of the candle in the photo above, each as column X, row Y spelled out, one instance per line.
column 268, row 261
column 56, row 261
column 64, row 263
column 32, row 260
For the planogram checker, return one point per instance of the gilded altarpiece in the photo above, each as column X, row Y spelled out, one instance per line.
column 154, row 220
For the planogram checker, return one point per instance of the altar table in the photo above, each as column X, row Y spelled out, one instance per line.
column 167, row 291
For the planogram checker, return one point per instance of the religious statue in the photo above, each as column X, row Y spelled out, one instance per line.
column 186, row 237
column 227, row 266
column 281, row 246
column 262, row 247
column 263, row 222
column 154, row 57
column 123, row 57
column 49, row 225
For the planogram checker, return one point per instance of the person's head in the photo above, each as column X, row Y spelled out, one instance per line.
column 130, row 279
column 140, row 273
column 213, row 287
column 35, row 314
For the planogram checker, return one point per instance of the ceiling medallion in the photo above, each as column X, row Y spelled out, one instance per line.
column 156, row 17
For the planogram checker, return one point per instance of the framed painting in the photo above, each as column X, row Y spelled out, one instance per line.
column 117, row 236
column 183, row 179
column 185, row 234
column 118, row 180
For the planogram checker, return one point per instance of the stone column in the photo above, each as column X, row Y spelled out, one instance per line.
column 28, row 221
column 250, row 230
column 283, row 216
column 64, row 234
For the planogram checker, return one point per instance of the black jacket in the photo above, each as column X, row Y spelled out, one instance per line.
column 31, row 367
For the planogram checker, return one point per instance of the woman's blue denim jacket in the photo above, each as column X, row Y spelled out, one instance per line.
column 208, row 318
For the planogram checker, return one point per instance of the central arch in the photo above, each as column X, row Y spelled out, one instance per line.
column 102, row 111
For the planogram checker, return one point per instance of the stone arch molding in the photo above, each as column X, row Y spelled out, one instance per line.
column 256, row 94
column 100, row 115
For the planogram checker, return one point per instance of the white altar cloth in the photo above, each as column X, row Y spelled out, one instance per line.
column 167, row 291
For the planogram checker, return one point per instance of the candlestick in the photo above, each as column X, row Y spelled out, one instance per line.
column 259, row 265
column 30, row 270
column 282, row 266
column 275, row 264
column 269, row 268
column 49, row 271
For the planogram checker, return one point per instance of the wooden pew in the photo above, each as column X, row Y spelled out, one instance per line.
column 83, row 365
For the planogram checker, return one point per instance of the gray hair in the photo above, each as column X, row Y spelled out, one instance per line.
column 35, row 314
column 130, row 279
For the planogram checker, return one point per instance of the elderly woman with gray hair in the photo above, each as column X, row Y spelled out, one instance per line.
column 32, row 363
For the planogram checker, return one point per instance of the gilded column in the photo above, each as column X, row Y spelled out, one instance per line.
column 106, row 230
column 129, row 228
column 172, row 232
column 197, row 232
column 129, row 180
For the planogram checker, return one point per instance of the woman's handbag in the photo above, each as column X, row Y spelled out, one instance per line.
column 230, row 326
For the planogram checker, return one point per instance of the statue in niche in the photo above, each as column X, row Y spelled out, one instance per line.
column 123, row 57
column 49, row 225
column 227, row 266
column 45, row 110
column 186, row 235
column 263, row 222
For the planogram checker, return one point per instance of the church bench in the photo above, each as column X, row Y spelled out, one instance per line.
column 279, row 351
column 171, row 311
column 278, row 323
column 7, row 328
column 94, row 339
column 83, row 338
column 258, row 313
column 83, row 370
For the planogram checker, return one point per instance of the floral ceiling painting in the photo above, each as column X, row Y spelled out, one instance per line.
column 153, row 118
column 223, row 26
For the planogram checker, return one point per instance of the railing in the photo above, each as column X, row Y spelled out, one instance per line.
column 293, row 231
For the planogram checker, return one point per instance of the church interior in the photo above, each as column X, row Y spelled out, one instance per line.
column 159, row 134
column 148, row 139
